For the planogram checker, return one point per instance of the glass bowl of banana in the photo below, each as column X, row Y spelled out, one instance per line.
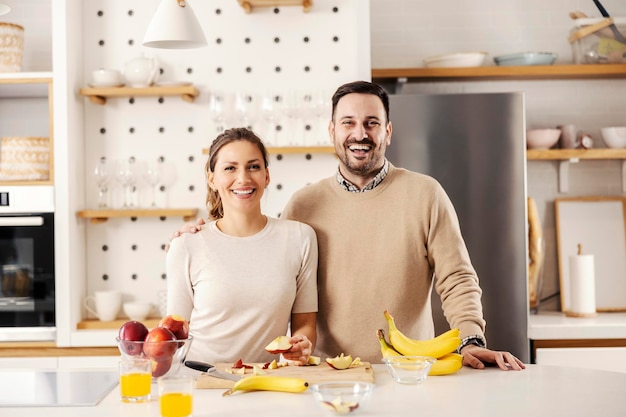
column 409, row 369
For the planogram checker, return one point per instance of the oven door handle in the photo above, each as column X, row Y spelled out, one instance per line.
column 21, row 221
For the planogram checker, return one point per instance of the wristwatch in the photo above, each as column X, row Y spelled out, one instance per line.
column 472, row 340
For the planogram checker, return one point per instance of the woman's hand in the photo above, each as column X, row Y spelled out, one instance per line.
column 186, row 228
column 301, row 349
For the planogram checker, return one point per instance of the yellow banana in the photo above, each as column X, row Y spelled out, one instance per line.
column 435, row 347
column 447, row 364
column 385, row 348
column 269, row 383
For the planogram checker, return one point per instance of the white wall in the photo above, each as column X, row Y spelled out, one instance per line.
column 404, row 32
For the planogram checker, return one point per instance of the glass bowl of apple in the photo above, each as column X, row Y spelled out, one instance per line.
column 166, row 345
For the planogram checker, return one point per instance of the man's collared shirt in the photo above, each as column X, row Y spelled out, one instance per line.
column 348, row 186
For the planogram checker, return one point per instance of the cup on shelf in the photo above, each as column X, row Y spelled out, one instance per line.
column 568, row 136
column 104, row 77
column 106, row 304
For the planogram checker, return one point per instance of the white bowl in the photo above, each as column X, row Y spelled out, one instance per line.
column 542, row 138
column 137, row 310
column 461, row 59
column 614, row 137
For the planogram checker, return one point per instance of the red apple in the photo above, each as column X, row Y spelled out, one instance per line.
column 279, row 345
column 161, row 368
column 160, row 344
column 130, row 332
column 176, row 324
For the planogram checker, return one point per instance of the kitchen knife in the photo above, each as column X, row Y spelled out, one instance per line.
column 211, row 370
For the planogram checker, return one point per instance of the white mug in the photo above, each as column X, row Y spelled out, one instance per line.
column 106, row 304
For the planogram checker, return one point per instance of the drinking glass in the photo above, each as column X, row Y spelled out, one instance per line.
column 135, row 380
column 102, row 175
column 176, row 395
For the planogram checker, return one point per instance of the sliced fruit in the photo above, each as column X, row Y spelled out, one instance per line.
column 356, row 362
column 279, row 345
column 340, row 362
column 340, row 407
column 258, row 370
column 272, row 365
column 314, row 360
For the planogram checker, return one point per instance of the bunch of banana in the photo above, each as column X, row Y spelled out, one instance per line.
column 442, row 348
column 269, row 383
column 445, row 365
column 437, row 347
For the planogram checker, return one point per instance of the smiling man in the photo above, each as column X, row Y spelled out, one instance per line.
column 387, row 236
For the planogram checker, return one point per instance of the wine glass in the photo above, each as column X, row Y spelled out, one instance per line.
column 102, row 175
column 153, row 178
column 217, row 110
column 126, row 176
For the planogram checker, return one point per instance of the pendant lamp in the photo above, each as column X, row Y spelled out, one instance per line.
column 4, row 9
column 174, row 26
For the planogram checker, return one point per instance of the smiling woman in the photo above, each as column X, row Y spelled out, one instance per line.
column 215, row 277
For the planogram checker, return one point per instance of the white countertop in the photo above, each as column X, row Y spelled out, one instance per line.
column 538, row 391
column 555, row 325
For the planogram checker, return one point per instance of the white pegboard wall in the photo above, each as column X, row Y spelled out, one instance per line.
column 272, row 50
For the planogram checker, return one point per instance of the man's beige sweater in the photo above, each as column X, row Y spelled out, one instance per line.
column 380, row 250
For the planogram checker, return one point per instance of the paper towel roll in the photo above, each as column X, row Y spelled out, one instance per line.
column 582, row 286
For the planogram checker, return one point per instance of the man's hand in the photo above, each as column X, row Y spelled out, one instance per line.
column 477, row 357
column 186, row 228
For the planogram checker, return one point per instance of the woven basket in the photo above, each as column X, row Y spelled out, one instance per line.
column 11, row 47
column 24, row 158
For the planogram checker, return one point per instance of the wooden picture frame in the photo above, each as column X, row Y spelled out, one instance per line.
column 599, row 225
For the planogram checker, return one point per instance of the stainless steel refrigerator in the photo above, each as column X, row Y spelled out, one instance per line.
column 473, row 144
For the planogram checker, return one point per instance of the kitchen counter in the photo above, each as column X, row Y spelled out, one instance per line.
column 537, row 391
column 554, row 325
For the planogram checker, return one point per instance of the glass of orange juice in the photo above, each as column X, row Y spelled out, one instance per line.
column 176, row 395
column 135, row 380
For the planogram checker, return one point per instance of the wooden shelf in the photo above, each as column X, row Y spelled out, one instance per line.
column 115, row 324
column 532, row 72
column 292, row 150
column 99, row 95
column 25, row 84
column 566, row 154
column 20, row 183
column 249, row 5
column 101, row 216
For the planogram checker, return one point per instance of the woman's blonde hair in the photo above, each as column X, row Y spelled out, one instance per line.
column 213, row 199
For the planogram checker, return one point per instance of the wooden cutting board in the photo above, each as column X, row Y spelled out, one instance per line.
column 312, row 374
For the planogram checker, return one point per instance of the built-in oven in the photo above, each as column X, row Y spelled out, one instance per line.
column 27, row 279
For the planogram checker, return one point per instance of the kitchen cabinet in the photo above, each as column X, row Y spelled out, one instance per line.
column 99, row 95
column 30, row 85
column 594, row 343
